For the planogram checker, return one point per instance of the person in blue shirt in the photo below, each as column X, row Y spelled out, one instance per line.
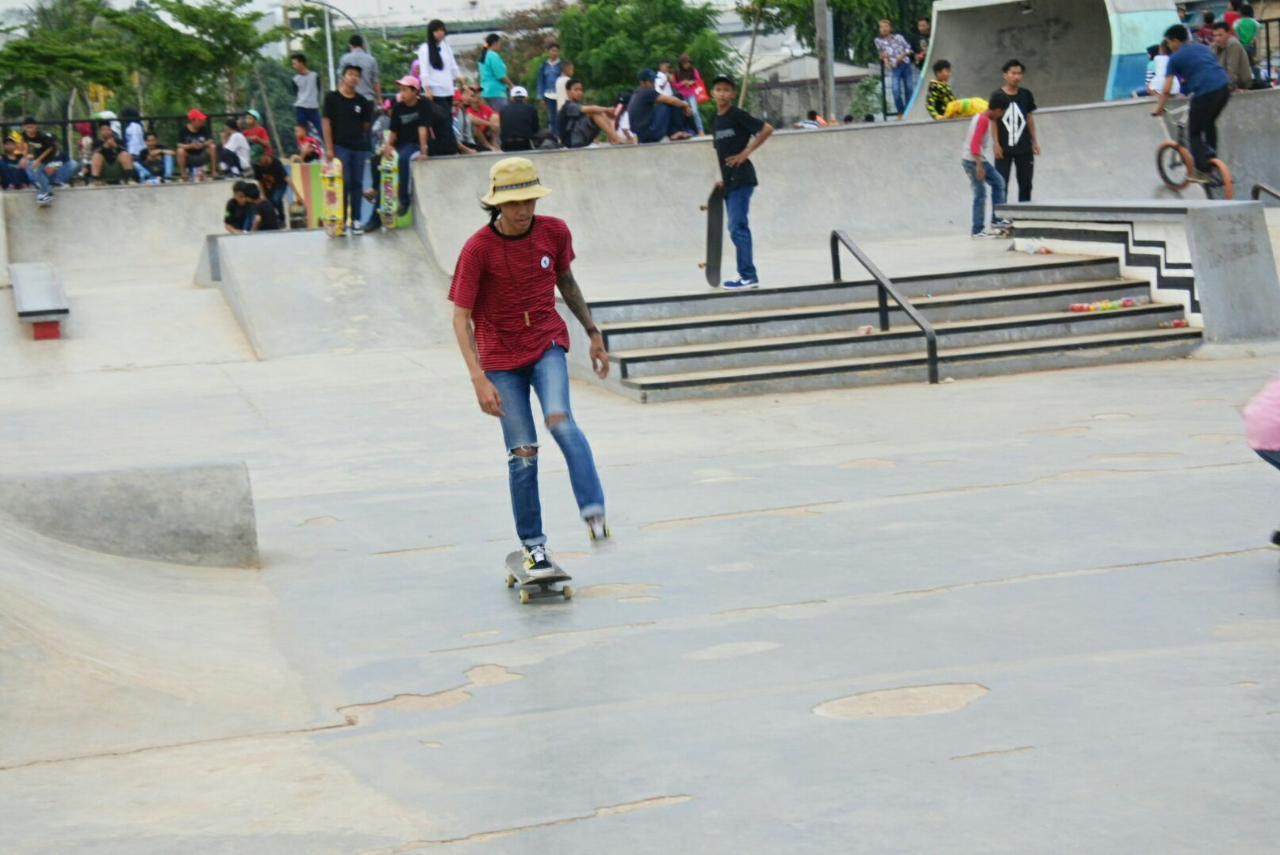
column 1209, row 86
column 548, row 74
column 494, row 82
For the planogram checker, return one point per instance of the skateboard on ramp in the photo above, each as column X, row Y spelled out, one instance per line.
column 715, row 235
column 544, row 584
column 389, row 168
column 333, row 218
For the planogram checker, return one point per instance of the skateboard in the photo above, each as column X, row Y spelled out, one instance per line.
column 715, row 235
column 333, row 218
column 517, row 573
column 389, row 167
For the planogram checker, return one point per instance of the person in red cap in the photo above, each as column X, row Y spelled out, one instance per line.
column 513, row 341
column 196, row 149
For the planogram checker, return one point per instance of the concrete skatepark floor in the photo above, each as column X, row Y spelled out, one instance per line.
column 1032, row 613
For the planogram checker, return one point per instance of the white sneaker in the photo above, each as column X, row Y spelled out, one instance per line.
column 740, row 284
column 537, row 561
column 598, row 531
column 357, row 228
column 987, row 234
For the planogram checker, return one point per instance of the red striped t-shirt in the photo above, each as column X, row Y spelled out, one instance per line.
column 509, row 283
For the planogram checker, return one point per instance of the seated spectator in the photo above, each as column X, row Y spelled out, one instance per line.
column 581, row 124
column 621, row 118
column 940, row 93
column 654, row 116
column 234, row 156
column 1160, row 71
column 561, row 98
column 1204, row 35
column 518, row 121
column 111, row 164
column 135, row 135
column 459, row 125
column 309, row 148
column 812, row 121
column 259, row 214
column 84, row 131
column 1232, row 57
column 687, row 82
column 485, row 123
column 13, row 166
column 254, row 132
column 233, row 219
column 154, row 164
column 271, row 177
column 196, row 149
column 46, row 167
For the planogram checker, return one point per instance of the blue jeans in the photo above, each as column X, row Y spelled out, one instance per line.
column 737, row 203
column 13, row 177
column 551, row 116
column 62, row 175
column 903, row 84
column 353, row 163
column 664, row 122
column 406, row 151
column 549, row 377
column 1272, row 457
column 145, row 174
column 993, row 179
column 310, row 118
column 697, row 114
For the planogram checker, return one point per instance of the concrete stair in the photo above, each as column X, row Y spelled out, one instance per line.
column 989, row 322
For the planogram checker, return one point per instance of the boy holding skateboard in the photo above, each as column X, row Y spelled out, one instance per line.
column 737, row 135
column 346, row 119
column 513, row 340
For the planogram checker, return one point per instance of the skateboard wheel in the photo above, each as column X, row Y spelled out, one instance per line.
column 511, row 581
column 568, row 592
column 524, row 596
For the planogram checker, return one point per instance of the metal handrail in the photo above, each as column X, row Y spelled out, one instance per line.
column 886, row 289
column 1259, row 189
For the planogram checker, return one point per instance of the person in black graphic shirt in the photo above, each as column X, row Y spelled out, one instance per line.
column 346, row 119
column 410, row 137
column 737, row 135
column 1015, row 134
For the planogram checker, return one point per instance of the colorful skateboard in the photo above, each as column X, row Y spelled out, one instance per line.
column 389, row 167
column 715, row 235
column 517, row 573
column 333, row 218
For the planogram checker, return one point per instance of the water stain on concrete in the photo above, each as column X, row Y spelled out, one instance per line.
column 439, row 744
column 904, row 701
column 415, row 550
column 1062, row 431
column 746, row 609
column 791, row 511
column 638, row 599
column 479, row 676
column 946, row 461
column 723, row 479
column 732, row 567
column 867, row 463
column 1266, row 629
column 995, row 753
column 1245, row 684
column 615, row 590
column 319, row 521
column 1135, row 455
column 480, row 633
column 1112, row 417
column 732, row 650
column 1218, row 437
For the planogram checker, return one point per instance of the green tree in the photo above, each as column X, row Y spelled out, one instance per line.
column 854, row 21
column 611, row 41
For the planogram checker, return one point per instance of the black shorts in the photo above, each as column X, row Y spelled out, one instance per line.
column 198, row 157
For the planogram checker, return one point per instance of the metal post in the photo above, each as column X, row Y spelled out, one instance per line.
column 884, row 308
column 328, row 41
column 822, row 42
column 884, row 94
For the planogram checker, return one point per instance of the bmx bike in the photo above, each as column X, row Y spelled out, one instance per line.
column 1177, row 166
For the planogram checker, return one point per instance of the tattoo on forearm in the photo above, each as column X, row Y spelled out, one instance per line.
column 574, row 300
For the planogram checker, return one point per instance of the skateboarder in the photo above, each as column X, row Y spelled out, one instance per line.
column 346, row 119
column 1016, row 143
column 513, row 339
column 737, row 135
column 982, row 173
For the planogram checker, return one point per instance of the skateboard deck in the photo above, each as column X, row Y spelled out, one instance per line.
column 388, row 205
column 715, row 235
column 333, row 218
column 517, row 573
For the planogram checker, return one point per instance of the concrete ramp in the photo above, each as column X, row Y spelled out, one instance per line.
column 197, row 515
column 297, row 293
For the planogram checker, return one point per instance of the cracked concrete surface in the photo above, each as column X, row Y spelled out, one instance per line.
column 376, row 689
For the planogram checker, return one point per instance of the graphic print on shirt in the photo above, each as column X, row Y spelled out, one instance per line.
column 1015, row 123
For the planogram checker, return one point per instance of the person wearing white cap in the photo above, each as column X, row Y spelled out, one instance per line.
column 513, row 340
column 518, row 122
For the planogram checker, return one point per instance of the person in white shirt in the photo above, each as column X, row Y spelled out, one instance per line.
column 135, row 136
column 438, row 70
column 1161, row 72
column 562, row 88
column 662, row 80
column 235, row 149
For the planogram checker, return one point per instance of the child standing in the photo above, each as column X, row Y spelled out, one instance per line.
column 977, row 162
column 737, row 135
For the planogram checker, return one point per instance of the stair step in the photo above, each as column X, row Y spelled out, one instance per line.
column 914, row 359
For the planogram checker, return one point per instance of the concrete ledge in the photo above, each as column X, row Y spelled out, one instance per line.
column 198, row 515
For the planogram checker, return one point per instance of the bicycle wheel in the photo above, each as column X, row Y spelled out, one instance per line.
column 1220, row 185
column 1174, row 163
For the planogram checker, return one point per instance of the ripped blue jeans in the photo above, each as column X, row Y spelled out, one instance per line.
column 549, row 378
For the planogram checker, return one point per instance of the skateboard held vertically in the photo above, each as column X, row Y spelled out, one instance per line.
column 715, row 235
column 389, row 168
column 516, row 572
column 333, row 217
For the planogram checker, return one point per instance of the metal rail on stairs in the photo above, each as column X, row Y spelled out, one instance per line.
column 886, row 290
column 1259, row 189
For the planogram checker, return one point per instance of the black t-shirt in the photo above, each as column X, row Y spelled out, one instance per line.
column 270, row 176
column 406, row 120
column 518, row 121
column 200, row 137
column 576, row 128
column 109, row 153
column 348, row 116
column 235, row 213
column 265, row 212
column 36, row 146
column 149, row 156
column 640, row 110
column 733, row 130
column 919, row 45
column 442, row 139
column 1014, row 135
